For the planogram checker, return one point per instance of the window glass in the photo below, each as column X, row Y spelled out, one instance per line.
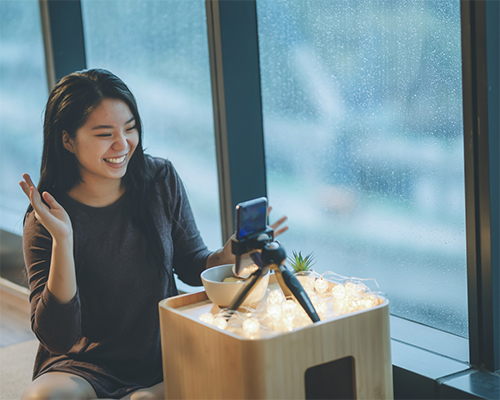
column 23, row 93
column 362, row 105
column 160, row 50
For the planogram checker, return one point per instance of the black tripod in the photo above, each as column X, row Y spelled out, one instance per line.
column 268, row 254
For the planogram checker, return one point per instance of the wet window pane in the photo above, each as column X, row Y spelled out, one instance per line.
column 23, row 93
column 363, row 130
column 160, row 49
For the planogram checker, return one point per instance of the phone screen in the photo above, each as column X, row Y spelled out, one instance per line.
column 251, row 217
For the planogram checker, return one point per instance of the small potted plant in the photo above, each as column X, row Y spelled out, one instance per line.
column 302, row 268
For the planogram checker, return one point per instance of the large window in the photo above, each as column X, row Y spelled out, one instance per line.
column 160, row 49
column 362, row 105
column 358, row 105
column 23, row 93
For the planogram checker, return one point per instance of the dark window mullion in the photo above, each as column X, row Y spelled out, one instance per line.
column 492, row 19
column 234, row 60
column 492, row 91
column 62, row 29
column 477, row 182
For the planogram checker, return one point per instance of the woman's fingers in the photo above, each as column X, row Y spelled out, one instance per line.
column 51, row 201
column 280, row 231
column 41, row 210
column 36, row 199
column 28, row 180
column 47, row 210
column 26, row 184
column 25, row 188
column 31, row 191
column 279, row 223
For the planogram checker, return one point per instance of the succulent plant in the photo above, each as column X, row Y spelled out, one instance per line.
column 299, row 263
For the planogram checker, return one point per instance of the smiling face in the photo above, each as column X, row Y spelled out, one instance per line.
column 104, row 145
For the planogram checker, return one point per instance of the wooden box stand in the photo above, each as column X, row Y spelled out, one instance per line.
column 345, row 357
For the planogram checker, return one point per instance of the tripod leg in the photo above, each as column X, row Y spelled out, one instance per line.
column 300, row 294
column 284, row 287
column 246, row 289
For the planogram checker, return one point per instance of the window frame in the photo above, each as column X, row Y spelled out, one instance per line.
column 478, row 116
column 480, row 271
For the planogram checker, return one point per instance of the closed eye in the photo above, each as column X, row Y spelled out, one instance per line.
column 132, row 128
column 104, row 135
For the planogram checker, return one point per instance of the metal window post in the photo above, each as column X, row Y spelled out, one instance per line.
column 478, row 95
column 62, row 29
column 236, row 92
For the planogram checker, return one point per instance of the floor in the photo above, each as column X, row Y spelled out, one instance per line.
column 18, row 345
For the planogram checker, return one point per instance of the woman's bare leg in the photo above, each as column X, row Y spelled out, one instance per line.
column 155, row 392
column 60, row 386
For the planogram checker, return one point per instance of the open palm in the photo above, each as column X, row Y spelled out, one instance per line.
column 53, row 217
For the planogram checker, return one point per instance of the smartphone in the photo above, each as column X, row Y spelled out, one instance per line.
column 251, row 217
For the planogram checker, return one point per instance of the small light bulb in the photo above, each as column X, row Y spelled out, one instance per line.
column 288, row 310
column 352, row 304
column 302, row 317
column 207, row 318
column 275, row 325
column 251, row 327
column 369, row 301
column 338, row 292
column 275, row 297
column 320, row 307
column 321, row 285
column 274, row 311
column 339, row 306
column 220, row 322
column 286, row 325
column 350, row 287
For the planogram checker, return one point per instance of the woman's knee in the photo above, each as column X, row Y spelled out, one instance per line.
column 155, row 392
column 59, row 386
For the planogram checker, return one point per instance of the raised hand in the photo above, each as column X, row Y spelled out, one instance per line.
column 277, row 224
column 53, row 217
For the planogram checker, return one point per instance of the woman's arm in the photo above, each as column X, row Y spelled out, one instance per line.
column 62, row 278
column 55, row 308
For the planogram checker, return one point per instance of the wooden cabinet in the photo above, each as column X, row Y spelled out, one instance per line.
column 345, row 357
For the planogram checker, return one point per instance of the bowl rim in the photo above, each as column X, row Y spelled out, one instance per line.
column 225, row 283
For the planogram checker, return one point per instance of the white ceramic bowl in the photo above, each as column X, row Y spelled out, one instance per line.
column 222, row 293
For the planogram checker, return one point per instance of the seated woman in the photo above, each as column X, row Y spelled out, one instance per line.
column 107, row 228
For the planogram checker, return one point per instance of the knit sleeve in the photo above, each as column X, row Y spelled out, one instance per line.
column 56, row 325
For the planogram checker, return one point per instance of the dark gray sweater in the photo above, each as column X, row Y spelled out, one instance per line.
column 109, row 332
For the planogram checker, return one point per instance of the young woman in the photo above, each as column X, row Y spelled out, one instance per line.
column 107, row 228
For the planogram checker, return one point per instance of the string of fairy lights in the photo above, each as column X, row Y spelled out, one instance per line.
column 331, row 294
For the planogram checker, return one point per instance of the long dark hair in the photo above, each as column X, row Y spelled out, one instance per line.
column 68, row 107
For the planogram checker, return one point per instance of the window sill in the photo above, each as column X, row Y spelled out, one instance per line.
column 430, row 339
column 429, row 364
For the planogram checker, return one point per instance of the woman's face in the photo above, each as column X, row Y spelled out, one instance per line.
column 106, row 142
